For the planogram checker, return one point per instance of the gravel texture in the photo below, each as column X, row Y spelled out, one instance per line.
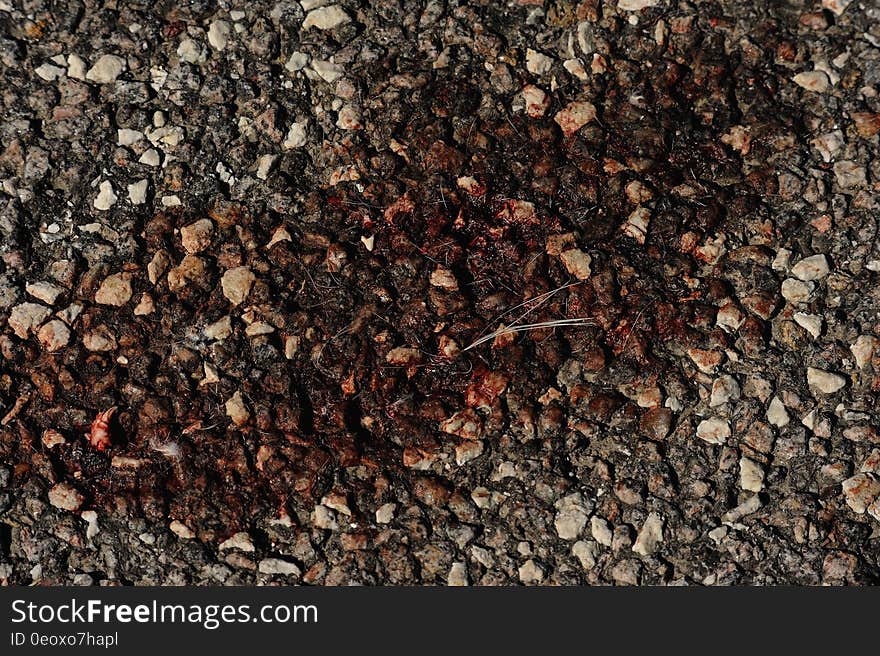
column 296, row 246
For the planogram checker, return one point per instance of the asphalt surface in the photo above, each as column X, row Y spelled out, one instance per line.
column 439, row 293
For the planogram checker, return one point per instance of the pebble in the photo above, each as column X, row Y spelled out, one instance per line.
column 836, row 6
column 577, row 263
column 457, row 575
column 572, row 513
column 587, row 552
column 25, row 317
column 106, row 69
column 128, row 137
column 824, row 381
column 137, row 192
column 220, row 329
column 814, row 267
column 601, row 531
column 636, row 225
column 751, row 475
column 385, row 513
column 105, row 198
column 444, row 279
column 90, row 517
column 65, row 497
column 145, row 306
column 813, row 81
column 810, row 322
column 115, row 290
column 747, row 507
column 99, row 339
column 218, row 34
column 536, row 100
column 860, row 491
column 650, row 536
column 531, row 572
column 150, row 157
column 776, row 413
column 196, row 237
column 54, row 335
column 49, row 72
column 44, row 291
column 277, row 566
column 538, row 63
column 181, row 530
column 797, row 291
column 324, row 518
column 241, row 541
column 863, row 349
column 724, row 389
column 714, row 430
column 575, row 116
column 264, row 165
column 51, row 438
column 236, row 410
column 296, row 137
column 76, row 67
column 191, row 52
column 349, row 118
column 326, row 18
column 237, row 283
column 850, row 175
column 636, row 5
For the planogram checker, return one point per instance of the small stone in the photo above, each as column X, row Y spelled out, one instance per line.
column 457, row 575
column 824, row 381
column 809, row 322
column 860, row 491
column 403, row 355
column 52, row 438
column 191, row 52
column 572, row 513
column 196, row 237
column 65, row 497
column 277, row 566
column 650, row 536
column 25, row 318
column 724, row 389
column 326, row 18
column 816, row 81
column 713, row 431
column 297, row 62
column 100, row 339
column 538, row 63
column 220, row 329
column 444, row 279
column 264, row 166
column 577, row 263
column 636, row 225
column 150, row 157
column 797, row 291
column 76, row 67
column 751, row 475
column 575, row 116
column 467, row 451
column 601, row 531
column 850, row 175
column 145, row 306
column 587, row 552
column 536, row 100
column 105, row 198
column 44, row 291
column 115, row 290
column 49, row 72
column 811, row 268
column 324, row 518
column 836, row 6
column 636, row 5
column 90, row 517
column 707, row 360
column 863, row 349
column 54, row 335
column 385, row 513
column 776, row 413
column 349, row 118
column 106, row 69
column 181, row 530
column 128, row 137
column 296, row 137
column 236, row 410
column 218, row 34
column 531, row 572
column 241, row 541
column 237, row 284
column 576, row 68
column 137, row 192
